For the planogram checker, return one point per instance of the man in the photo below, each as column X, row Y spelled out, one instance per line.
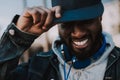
column 81, row 52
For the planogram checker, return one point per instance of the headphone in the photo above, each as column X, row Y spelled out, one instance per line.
column 78, row 64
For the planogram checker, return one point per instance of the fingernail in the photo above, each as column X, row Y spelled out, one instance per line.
column 58, row 15
column 44, row 27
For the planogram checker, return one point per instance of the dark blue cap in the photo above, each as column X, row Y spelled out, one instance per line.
column 74, row 10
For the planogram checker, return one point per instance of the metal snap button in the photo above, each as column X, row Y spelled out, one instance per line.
column 11, row 32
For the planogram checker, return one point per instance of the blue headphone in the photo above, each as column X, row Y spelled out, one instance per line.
column 77, row 64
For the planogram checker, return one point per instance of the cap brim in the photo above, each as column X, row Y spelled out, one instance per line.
column 81, row 14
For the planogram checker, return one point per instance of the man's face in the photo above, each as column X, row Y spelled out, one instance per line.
column 83, row 38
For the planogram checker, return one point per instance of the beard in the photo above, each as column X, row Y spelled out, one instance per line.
column 94, row 44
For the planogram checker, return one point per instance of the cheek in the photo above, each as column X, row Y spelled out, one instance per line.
column 65, row 33
column 95, row 32
column 96, row 28
column 65, row 36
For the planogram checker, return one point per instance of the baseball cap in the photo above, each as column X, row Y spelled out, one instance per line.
column 74, row 10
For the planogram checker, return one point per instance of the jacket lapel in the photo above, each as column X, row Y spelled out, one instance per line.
column 113, row 57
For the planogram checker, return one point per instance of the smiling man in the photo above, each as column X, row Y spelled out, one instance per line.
column 82, row 51
column 83, row 38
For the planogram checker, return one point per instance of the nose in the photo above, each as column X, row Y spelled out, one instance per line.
column 78, row 31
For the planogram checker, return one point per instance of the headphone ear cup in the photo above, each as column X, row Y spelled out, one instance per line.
column 81, row 64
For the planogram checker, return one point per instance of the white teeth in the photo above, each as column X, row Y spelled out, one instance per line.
column 80, row 43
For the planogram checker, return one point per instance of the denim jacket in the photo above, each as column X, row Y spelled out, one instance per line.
column 42, row 66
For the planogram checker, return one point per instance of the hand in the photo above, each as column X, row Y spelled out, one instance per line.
column 37, row 20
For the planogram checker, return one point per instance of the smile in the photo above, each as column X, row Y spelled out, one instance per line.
column 80, row 44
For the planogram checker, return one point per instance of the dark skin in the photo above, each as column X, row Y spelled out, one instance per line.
column 37, row 20
column 83, row 38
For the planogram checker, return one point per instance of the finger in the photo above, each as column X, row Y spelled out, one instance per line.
column 33, row 14
column 43, row 17
column 49, row 18
column 57, row 10
column 38, row 15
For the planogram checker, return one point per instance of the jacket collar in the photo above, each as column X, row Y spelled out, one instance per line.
column 113, row 57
